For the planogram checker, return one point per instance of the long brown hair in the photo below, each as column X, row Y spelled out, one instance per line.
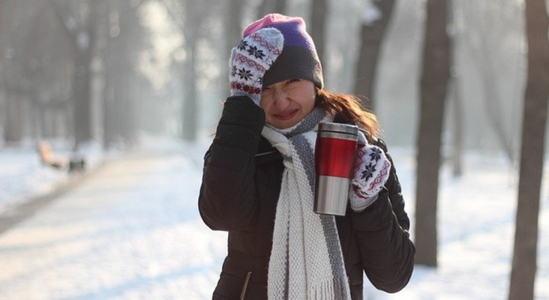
column 349, row 109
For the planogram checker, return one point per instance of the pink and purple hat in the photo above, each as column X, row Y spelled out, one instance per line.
column 298, row 58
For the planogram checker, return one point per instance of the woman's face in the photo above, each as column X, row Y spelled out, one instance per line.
column 287, row 102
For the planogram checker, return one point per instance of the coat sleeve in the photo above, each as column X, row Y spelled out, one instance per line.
column 227, row 194
column 387, row 253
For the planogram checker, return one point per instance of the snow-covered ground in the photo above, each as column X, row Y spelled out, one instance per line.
column 131, row 230
column 22, row 175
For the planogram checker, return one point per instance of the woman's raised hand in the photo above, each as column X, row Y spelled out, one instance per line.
column 251, row 59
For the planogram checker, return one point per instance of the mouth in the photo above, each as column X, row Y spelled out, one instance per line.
column 285, row 116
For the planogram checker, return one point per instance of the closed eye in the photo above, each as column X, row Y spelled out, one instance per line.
column 293, row 80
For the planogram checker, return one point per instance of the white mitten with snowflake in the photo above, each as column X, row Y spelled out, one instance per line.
column 251, row 59
column 370, row 173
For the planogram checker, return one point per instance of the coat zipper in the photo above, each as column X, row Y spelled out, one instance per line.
column 245, row 286
column 265, row 153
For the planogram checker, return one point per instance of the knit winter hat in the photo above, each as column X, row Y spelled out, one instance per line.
column 298, row 58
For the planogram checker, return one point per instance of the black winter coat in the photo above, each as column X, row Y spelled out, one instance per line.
column 240, row 188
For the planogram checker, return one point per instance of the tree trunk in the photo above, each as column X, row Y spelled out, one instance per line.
column 108, row 114
column 319, row 10
column 194, row 17
column 232, row 37
column 82, row 99
column 532, row 150
column 190, row 120
column 434, row 82
column 457, row 136
column 494, row 115
column 375, row 19
column 457, row 107
column 82, row 40
column 270, row 6
column 281, row 6
column 13, row 119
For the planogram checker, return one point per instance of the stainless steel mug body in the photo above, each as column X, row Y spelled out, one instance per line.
column 334, row 158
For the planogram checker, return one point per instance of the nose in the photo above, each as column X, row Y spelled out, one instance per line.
column 281, row 101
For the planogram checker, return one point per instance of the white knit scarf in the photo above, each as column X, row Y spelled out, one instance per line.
column 306, row 259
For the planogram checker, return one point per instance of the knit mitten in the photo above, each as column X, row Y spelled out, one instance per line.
column 251, row 59
column 370, row 173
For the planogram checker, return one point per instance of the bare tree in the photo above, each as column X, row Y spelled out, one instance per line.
column 487, row 35
column 51, row 75
column 434, row 85
column 319, row 24
column 12, row 113
column 270, row 6
column 35, row 71
column 375, row 19
column 123, row 83
column 79, row 21
column 233, row 35
column 190, row 18
column 2, row 85
column 456, row 101
column 532, row 152
column 14, row 69
column 13, row 118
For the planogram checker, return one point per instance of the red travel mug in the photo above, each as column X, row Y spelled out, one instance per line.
column 335, row 150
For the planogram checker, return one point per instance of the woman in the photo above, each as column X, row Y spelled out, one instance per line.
column 258, row 182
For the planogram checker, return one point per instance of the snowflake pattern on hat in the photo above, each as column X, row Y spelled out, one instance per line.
column 253, row 56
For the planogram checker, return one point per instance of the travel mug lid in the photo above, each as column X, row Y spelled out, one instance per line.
column 338, row 129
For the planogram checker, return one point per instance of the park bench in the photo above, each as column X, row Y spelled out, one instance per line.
column 47, row 157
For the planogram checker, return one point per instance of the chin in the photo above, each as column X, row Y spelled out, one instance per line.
column 284, row 125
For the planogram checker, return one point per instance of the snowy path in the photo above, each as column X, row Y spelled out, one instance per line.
column 129, row 232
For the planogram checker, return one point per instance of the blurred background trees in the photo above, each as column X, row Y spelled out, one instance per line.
column 113, row 71
column 374, row 21
column 435, row 76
